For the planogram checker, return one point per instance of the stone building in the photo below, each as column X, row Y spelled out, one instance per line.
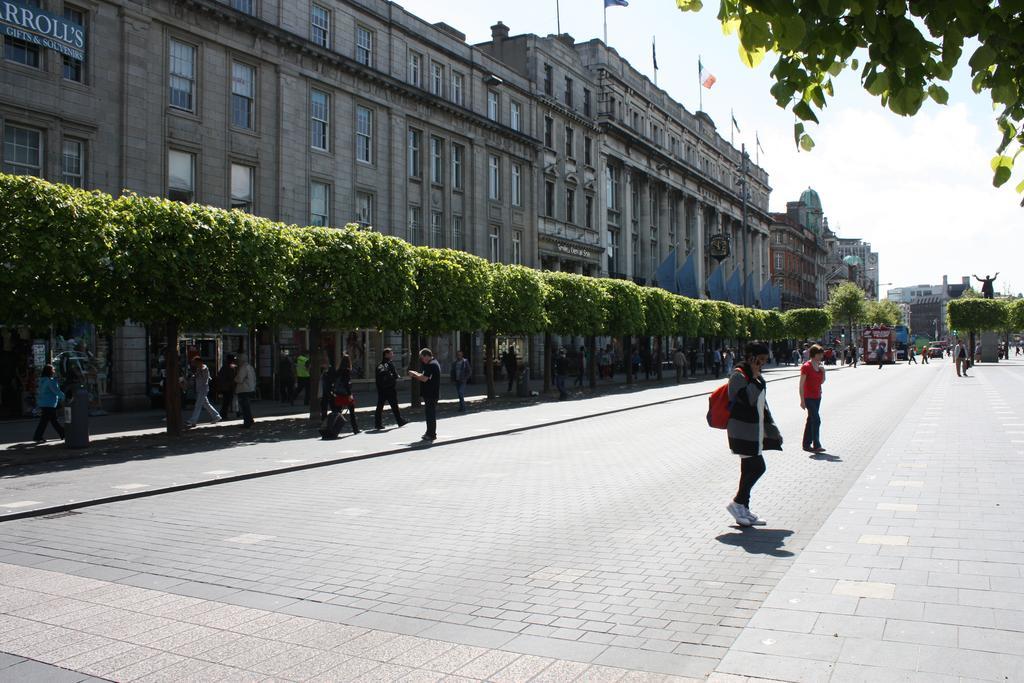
column 524, row 149
column 802, row 251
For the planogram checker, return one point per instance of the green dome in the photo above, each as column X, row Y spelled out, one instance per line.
column 811, row 199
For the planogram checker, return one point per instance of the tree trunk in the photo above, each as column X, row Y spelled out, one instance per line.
column 970, row 351
column 315, row 360
column 547, row 362
column 172, row 390
column 489, row 339
column 592, row 369
column 627, row 352
column 658, row 360
column 414, row 357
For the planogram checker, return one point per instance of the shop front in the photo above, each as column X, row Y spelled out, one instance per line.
column 569, row 256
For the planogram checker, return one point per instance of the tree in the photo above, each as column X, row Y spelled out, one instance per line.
column 659, row 318
column 903, row 50
column 976, row 315
column 688, row 320
column 574, row 304
column 883, row 312
column 1016, row 315
column 55, row 244
column 846, row 303
column 710, row 318
column 807, row 323
column 774, row 325
column 185, row 265
column 517, row 307
column 624, row 315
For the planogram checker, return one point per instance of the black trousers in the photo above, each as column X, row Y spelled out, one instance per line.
column 47, row 416
column 430, row 410
column 751, row 469
column 225, row 403
column 389, row 396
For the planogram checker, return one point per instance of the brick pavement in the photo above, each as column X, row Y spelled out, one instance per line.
column 602, row 542
column 917, row 574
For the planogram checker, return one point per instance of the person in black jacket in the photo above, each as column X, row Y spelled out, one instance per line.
column 431, row 390
column 751, row 428
column 387, row 381
column 327, row 377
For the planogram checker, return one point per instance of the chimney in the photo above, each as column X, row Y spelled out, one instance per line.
column 499, row 34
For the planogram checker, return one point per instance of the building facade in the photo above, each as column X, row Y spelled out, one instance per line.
column 802, row 248
column 925, row 305
column 529, row 150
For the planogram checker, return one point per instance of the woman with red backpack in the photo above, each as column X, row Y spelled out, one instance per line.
column 751, row 428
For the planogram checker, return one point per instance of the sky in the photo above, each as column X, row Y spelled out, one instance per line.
column 919, row 189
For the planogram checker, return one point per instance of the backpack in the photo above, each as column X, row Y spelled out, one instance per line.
column 720, row 407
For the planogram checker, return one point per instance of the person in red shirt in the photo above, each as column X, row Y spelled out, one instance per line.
column 812, row 376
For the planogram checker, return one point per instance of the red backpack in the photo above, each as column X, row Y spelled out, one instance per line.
column 719, row 405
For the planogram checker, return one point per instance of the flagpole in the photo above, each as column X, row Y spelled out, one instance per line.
column 732, row 126
column 558, row 17
column 757, row 149
column 654, row 57
column 605, row 23
column 700, row 87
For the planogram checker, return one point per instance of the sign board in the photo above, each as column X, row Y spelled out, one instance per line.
column 34, row 26
column 39, row 353
column 571, row 249
column 718, row 247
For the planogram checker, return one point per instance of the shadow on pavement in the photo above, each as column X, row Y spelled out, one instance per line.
column 826, row 457
column 759, row 541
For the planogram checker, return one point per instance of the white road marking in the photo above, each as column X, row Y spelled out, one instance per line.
column 249, row 539
column 21, row 504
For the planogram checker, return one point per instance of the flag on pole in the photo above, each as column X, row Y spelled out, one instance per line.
column 734, row 124
column 616, row 3
column 707, row 79
column 758, row 141
column 654, row 53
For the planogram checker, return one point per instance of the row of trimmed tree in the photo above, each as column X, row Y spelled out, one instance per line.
column 69, row 254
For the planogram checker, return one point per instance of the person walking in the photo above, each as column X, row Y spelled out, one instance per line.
column 880, row 355
column 812, row 376
column 924, row 355
column 302, row 377
column 509, row 362
column 245, row 389
column 911, row 356
column 48, row 397
column 387, row 392
column 606, row 362
column 853, row 355
column 201, row 385
column 679, row 361
column 751, row 429
column 561, row 369
column 343, row 397
column 461, row 371
column 960, row 359
column 226, row 385
column 728, row 359
column 285, row 377
column 430, row 376
column 581, row 366
column 328, row 373
column 716, row 360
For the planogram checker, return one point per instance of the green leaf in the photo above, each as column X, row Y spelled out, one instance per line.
column 938, row 93
column 804, row 112
column 751, row 57
column 790, row 30
column 983, row 58
column 1001, row 175
column 754, row 31
column 690, row 5
column 806, row 143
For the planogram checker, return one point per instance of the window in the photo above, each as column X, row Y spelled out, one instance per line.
column 436, row 160
column 319, row 125
column 23, row 152
column 183, row 76
column 364, row 135
column 517, row 247
column 549, row 198
column 548, row 78
column 320, row 27
column 181, row 181
column 515, row 117
column 243, row 93
column 635, row 243
column 436, row 229
column 415, row 67
column 319, row 203
column 492, row 105
column 436, row 79
column 570, row 205
column 588, row 151
column 242, row 187
column 415, row 220
column 493, row 177
column 415, row 170
column 364, row 46
column 586, row 102
column 778, row 262
column 612, row 188
column 569, row 140
column 613, row 251
column 517, row 185
column 457, row 240
column 495, row 251
column 22, row 51
column 457, row 151
column 242, row 6
column 568, row 92
column 588, row 211
column 72, row 67
column 72, row 162
column 364, row 208
column 456, row 93
column 549, row 132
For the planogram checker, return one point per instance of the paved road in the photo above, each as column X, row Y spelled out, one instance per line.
column 599, row 543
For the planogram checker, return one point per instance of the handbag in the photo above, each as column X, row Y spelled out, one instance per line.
column 344, row 401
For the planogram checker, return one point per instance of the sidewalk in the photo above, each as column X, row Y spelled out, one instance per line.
column 918, row 575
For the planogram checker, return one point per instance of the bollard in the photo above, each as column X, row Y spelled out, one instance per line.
column 77, row 430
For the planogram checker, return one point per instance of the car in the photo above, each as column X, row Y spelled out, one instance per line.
column 936, row 351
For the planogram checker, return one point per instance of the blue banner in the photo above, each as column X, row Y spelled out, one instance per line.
column 686, row 279
column 665, row 275
column 716, row 284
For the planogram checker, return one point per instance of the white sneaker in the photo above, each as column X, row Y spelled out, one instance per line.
column 217, row 419
column 739, row 512
column 754, row 519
